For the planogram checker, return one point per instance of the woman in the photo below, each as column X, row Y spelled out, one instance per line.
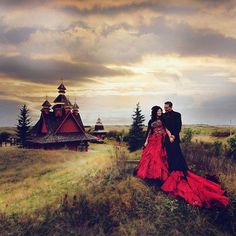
column 196, row 190
column 153, row 163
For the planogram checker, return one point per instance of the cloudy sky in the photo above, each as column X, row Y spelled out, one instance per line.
column 114, row 54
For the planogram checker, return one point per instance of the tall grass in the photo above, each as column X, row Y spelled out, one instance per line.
column 32, row 179
column 113, row 202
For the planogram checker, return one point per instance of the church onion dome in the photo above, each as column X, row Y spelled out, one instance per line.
column 75, row 107
column 46, row 104
column 61, row 88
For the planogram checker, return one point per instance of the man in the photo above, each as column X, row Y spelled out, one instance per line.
column 172, row 121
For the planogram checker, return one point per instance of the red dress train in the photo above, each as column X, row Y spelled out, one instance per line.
column 195, row 189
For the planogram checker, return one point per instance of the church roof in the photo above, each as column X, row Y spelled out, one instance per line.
column 99, row 121
column 46, row 104
column 75, row 106
column 65, row 128
column 52, row 125
column 60, row 98
column 58, row 106
column 99, row 125
column 68, row 103
column 61, row 87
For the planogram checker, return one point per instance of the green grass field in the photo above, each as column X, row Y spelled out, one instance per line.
column 201, row 132
column 204, row 132
column 32, row 179
column 109, row 200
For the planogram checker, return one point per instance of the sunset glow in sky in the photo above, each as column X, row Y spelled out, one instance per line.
column 114, row 54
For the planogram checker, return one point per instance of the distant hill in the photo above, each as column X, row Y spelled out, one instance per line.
column 200, row 128
column 11, row 130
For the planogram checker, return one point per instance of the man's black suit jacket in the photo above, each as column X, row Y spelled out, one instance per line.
column 172, row 121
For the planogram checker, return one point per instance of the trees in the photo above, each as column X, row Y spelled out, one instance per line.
column 4, row 136
column 136, row 134
column 23, row 127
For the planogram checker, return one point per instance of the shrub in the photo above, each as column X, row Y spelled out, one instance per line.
column 119, row 136
column 201, row 159
column 188, row 135
column 121, row 156
column 112, row 134
column 217, row 148
column 4, row 136
column 232, row 146
column 220, row 134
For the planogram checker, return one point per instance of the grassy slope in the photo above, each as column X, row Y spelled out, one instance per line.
column 31, row 179
column 112, row 201
column 33, row 182
column 203, row 132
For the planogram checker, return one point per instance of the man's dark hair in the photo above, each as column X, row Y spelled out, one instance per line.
column 169, row 103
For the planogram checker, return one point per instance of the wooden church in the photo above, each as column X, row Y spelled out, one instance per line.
column 60, row 127
column 99, row 130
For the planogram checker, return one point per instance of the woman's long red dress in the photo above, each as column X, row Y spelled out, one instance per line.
column 196, row 190
column 153, row 161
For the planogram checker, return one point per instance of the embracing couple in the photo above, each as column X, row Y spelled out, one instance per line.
column 162, row 162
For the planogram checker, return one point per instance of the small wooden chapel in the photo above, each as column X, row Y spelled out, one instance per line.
column 60, row 127
column 99, row 130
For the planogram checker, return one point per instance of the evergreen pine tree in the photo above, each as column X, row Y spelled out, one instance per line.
column 23, row 127
column 136, row 134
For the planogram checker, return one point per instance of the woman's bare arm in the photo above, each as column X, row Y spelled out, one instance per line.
column 147, row 133
column 147, row 136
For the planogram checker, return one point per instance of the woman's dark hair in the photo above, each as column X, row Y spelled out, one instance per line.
column 154, row 112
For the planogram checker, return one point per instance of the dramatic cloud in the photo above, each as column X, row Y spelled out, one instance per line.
column 112, row 54
column 16, row 36
column 47, row 71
